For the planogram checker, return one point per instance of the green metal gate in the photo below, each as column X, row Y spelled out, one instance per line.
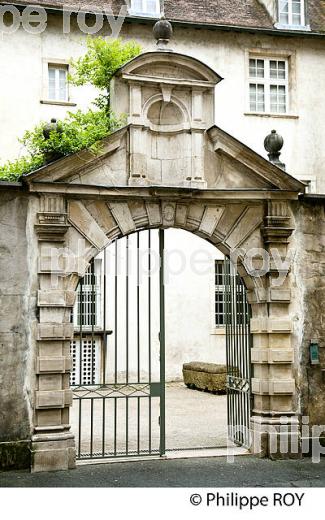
column 238, row 347
column 118, row 382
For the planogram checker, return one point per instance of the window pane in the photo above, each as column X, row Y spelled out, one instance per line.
column 277, row 69
column 260, row 98
column 284, row 12
column 62, row 85
column 256, row 98
column 137, row 6
column 256, row 68
column 278, row 98
column 152, row 7
column 51, row 93
column 145, row 6
column 296, row 7
column 252, row 68
column 296, row 19
column 284, row 6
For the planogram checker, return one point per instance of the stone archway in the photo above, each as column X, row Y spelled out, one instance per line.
column 170, row 171
column 72, row 231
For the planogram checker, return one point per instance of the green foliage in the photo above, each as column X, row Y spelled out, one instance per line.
column 13, row 170
column 78, row 131
column 102, row 59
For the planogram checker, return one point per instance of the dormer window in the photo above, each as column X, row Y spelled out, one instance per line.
column 145, row 7
column 292, row 13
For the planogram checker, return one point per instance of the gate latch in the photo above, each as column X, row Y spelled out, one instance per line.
column 154, row 389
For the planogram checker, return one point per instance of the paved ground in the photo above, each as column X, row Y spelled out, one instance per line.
column 194, row 419
column 247, row 471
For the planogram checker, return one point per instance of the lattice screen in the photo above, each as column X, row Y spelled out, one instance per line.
column 90, row 362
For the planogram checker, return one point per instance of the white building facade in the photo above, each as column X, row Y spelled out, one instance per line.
column 270, row 54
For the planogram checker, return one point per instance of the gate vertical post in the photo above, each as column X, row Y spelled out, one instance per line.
column 162, row 340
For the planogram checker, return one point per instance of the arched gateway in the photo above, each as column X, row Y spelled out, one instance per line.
column 169, row 167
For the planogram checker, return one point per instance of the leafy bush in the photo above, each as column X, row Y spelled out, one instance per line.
column 13, row 170
column 78, row 131
column 102, row 59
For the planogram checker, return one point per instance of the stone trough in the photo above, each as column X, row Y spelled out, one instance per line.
column 208, row 377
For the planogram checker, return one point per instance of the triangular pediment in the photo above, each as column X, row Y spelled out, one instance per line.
column 107, row 167
column 228, row 165
column 242, row 168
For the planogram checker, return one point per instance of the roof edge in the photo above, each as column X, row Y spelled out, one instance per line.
column 201, row 25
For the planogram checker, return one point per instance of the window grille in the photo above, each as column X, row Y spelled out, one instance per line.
column 219, row 293
column 87, row 311
column 268, row 85
column 90, row 362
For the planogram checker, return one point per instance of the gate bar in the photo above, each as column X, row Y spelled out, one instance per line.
column 162, row 341
column 149, row 332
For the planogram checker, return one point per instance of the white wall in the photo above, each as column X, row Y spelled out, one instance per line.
column 190, row 286
column 189, row 318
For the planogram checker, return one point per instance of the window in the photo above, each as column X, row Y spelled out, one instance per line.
column 147, row 7
column 58, row 82
column 87, row 311
column 268, row 85
column 219, row 293
column 291, row 12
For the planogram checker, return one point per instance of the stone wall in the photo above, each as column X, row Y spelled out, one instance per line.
column 16, row 322
column 18, row 286
column 309, row 305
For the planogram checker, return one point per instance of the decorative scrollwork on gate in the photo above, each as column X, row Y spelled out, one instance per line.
column 237, row 383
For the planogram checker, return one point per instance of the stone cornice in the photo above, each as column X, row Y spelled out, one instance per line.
column 120, row 192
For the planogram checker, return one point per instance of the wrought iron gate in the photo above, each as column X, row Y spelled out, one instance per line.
column 238, row 345
column 118, row 377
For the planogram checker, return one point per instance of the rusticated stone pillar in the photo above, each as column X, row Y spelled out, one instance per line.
column 52, row 441
column 275, row 424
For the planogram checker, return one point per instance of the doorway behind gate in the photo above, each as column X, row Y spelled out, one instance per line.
column 149, row 303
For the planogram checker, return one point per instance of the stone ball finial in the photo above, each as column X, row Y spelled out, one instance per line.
column 53, row 126
column 50, row 127
column 163, row 31
column 273, row 144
